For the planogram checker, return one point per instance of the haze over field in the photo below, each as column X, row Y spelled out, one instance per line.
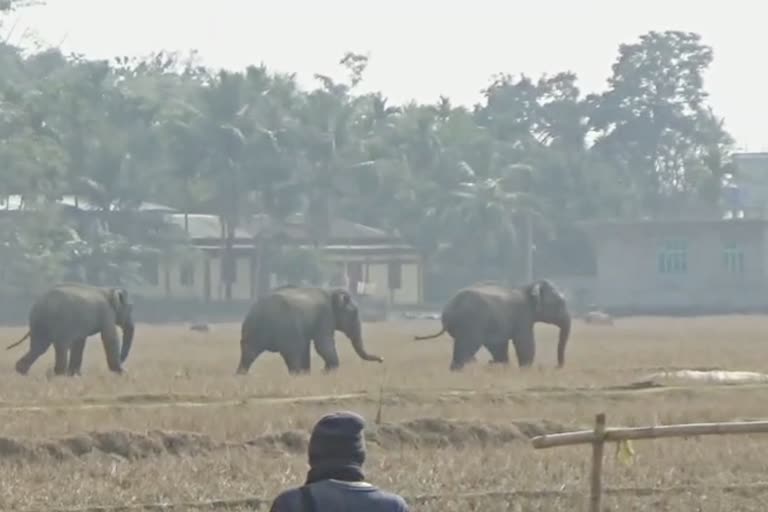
column 178, row 195
column 422, row 49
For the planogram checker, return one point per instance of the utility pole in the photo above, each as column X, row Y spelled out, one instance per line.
column 528, row 246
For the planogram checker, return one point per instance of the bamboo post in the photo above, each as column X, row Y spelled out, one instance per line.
column 654, row 432
column 598, row 445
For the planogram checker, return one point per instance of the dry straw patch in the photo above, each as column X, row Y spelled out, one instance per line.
column 181, row 427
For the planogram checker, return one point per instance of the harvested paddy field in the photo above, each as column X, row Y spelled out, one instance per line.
column 181, row 428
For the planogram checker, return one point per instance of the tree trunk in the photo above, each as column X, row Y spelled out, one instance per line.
column 227, row 257
column 319, row 223
column 187, row 202
column 230, row 259
column 264, row 271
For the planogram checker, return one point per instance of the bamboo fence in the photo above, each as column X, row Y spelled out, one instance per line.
column 600, row 435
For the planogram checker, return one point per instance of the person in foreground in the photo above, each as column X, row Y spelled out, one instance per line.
column 335, row 480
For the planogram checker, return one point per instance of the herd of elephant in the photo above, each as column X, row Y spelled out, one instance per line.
column 288, row 319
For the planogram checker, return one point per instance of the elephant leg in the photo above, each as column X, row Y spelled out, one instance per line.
column 326, row 347
column 293, row 360
column 251, row 347
column 525, row 347
column 76, row 357
column 37, row 347
column 61, row 351
column 499, row 350
column 111, row 344
column 295, row 351
column 306, row 358
column 247, row 358
column 465, row 347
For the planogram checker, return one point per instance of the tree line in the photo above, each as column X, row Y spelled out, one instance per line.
column 470, row 187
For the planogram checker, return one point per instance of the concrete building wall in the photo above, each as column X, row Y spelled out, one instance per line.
column 682, row 266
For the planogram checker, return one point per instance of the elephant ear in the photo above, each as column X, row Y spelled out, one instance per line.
column 118, row 298
column 535, row 293
column 342, row 300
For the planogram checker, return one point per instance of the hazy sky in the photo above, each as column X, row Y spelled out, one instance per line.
column 422, row 49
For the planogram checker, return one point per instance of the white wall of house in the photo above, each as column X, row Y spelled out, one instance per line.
column 187, row 280
column 405, row 288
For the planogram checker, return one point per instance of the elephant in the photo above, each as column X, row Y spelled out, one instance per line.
column 286, row 319
column 489, row 314
column 66, row 315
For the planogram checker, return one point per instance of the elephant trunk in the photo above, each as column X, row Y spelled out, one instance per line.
column 128, row 330
column 565, row 331
column 248, row 355
column 356, row 337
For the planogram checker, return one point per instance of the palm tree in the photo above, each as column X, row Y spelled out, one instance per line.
column 488, row 214
column 217, row 127
column 245, row 126
column 333, row 154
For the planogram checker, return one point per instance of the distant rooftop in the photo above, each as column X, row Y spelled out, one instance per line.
column 202, row 226
column 675, row 222
column 295, row 227
column 751, row 165
column 751, row 155
column 612, row 228
column 207, row 226
column 14, row 202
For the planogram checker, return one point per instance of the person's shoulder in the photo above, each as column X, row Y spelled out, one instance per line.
column 286, row 501
column 396, row 499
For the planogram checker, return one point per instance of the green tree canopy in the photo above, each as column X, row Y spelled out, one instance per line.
column 461, row 184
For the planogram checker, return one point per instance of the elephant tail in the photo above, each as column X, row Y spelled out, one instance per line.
column 9, row 347
column 430, row 336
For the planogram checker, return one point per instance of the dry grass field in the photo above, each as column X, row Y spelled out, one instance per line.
column 180, row 427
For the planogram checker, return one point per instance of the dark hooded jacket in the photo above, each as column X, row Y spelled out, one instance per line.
column 335, row 481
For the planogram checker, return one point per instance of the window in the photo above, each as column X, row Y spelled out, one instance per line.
column 187, row 274
column 733, row 259
column 395, row 275
column 673, row 257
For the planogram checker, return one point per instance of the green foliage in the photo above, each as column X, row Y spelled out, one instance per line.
column 458, row 183
column 654, row 126
column 36, row 250
column 299, row 265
